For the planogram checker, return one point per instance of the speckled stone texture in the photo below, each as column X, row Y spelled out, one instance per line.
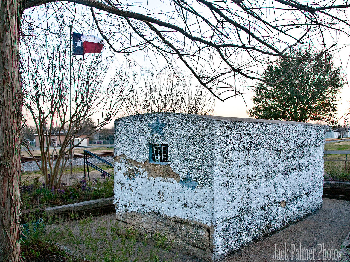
column 243, row 177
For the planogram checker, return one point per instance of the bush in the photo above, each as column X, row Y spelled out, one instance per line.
column 39, row 196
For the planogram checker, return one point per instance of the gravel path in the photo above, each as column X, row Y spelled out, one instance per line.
column 67, row 179
column 319, row 235
column 32, row 166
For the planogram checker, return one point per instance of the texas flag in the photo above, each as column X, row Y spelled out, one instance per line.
column 83, row 44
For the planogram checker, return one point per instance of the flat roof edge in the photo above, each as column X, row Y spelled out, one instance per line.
column 232, row 119
column 238, row 119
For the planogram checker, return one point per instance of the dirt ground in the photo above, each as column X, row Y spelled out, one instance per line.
column 321, row 234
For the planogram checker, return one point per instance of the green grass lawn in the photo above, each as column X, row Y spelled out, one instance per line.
column 336, row 170
column 343, row 145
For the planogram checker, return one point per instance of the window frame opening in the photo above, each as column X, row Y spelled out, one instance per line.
column 159, row 153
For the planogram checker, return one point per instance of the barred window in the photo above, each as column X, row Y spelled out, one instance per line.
column 158, row 153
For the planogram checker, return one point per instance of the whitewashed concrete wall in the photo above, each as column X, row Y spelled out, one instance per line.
column 165, row 197
column 265, row 175
column 190, row 141
column 253, row 176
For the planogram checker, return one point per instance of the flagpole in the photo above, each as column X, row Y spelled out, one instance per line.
column 70, row 96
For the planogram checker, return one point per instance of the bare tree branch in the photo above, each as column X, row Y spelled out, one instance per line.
column 225, row 30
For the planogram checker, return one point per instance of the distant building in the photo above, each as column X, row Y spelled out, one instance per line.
column 83, row 140
column 103, row 137
column 337, row 132
column 57, row 140
column 331, row 134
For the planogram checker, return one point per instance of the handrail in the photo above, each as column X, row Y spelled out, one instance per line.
column 337, row 152
column 98, row 157
column 87, row 164
column 99, row 169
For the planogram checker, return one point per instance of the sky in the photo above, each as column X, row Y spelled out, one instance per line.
column 233, row 107
column 237, row 107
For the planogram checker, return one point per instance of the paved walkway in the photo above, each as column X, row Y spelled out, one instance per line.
column 318, row 236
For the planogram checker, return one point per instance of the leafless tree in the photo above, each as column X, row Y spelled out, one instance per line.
column 88, row 126
column 27, row 133
column 163, row 91
column 57, row 113
column 217, row 41
column 222, row 43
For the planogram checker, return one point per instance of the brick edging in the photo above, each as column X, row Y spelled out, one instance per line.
column 336, row 189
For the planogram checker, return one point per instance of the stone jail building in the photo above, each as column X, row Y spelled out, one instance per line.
column 213, row 184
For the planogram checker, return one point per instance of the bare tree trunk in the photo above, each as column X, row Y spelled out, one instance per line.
column 10, row 120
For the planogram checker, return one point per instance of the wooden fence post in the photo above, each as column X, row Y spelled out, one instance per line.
column 346, row 159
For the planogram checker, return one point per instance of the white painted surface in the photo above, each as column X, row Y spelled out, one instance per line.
column 257, row 168
column 163, row 196
column 245, row 171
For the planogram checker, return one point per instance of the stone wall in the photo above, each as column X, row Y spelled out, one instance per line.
column 189, row 138
column 144, row 193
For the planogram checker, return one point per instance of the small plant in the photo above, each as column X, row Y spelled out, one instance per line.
column 32, row 231
column 39, row 196
column 335, row 170
column 153, row 256
column 34, row 248
column 161, row 241
column 131, row 233
column 145, row 240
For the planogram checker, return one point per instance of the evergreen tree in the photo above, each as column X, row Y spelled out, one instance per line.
column 300, row 87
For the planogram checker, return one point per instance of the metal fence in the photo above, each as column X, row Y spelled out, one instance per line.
column 337, row 152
